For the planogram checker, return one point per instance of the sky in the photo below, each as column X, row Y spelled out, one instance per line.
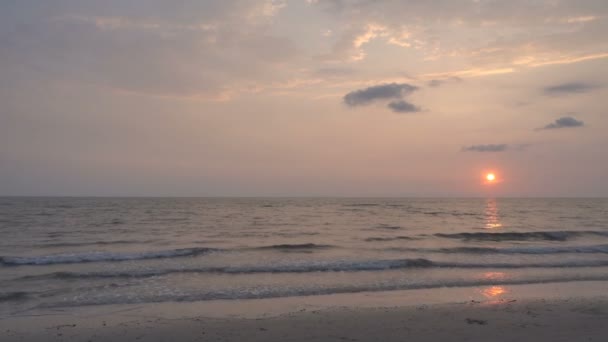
column 303, row 97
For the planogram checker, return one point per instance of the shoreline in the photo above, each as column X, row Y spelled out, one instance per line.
column 560, row 311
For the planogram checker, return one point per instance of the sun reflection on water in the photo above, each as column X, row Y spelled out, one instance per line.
column 494, row 292
column 494, row 275
column 492, row 219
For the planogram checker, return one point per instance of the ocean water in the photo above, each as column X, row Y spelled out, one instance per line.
column 67, row 252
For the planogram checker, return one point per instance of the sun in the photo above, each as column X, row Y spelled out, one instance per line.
column 490, row 177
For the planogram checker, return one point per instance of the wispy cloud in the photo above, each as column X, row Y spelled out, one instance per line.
column 435, row 83
column 540, row 33
column 349, row 47
column 439, row 82
column 469, row 73
column 570, row 60
column 569, row 88
column 486, row 148
column 564, row 122
column 334, row 72
column 192, row 51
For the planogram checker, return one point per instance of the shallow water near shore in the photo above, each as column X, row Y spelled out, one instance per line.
column 542, row 312
column 71, row 252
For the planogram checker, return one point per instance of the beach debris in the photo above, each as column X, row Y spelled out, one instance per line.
column 476, row 321
column 57, row 327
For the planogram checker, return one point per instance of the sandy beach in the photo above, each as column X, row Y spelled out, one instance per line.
column 562, row 313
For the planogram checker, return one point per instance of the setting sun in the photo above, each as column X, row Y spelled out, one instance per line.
column 490, row 177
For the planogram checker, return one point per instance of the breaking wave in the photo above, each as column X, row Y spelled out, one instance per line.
column 523, row 236
column 536, row 250
column 74, row 258
column 271, row 292
column 295, row 246
column 310, row 267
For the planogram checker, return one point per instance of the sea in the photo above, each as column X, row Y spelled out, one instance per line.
column 73, row 252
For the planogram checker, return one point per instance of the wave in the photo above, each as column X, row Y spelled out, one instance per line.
column 332, row 266
column 14, row 296
column 273, row 292
column 522, row 236
column 556, row 250
column 94, row 243
column 393, row 238
column 294, row 246
column 388, row 226
column 74, row 258
column 362, row 205
column 595, row 249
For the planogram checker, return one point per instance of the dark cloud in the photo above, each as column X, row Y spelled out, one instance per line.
column 564, row 122
column 384, row 92
column 389, row 91
column 437, row 83
column 486, row 148
column 403, row 107
column 570, row 88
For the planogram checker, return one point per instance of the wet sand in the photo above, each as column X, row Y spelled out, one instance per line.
column 521, row 313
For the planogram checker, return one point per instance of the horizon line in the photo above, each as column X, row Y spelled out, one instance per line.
column 303, row 197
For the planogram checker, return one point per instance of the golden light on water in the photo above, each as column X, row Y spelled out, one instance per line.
column 494, row 292
column 494, row 276
column 492, row 219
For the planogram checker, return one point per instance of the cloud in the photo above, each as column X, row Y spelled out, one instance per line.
column 439, row 82
column 486, row 148
column 570, row 59
column 199, row 49
column 349, row 46
column 435, row 83
column 391, row 91
column 335, row 72
column 564, row 122
column 569, row 88
column 475, row 72
column 505, row 35
column 403, row 107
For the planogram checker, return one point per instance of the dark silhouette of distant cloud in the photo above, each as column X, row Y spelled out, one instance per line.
column 384, row 92
column 486, row 148
column 389, row 91
column 564, row 122
column 569, row 88
column 438, row 83
column 403, row 107
column 435, row 83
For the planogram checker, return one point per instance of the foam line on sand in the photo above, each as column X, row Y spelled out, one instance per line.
column 555, row 312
